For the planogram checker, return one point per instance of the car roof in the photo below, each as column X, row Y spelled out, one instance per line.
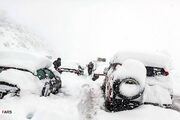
column 25, row 60
column 153, row 59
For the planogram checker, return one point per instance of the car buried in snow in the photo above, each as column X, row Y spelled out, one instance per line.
column 134, row 79
column 26, row 73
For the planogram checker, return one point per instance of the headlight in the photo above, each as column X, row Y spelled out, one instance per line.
column 128, row 88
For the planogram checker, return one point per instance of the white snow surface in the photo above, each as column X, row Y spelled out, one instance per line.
column 158, row 89
column 100, row 66
column 25, row 60
column 154, row 59
column 17, row 37
column 146, row 112
column 74, row 15
column 65, row 106
column 129, row 90
column 131, row 68
column 157, row 94
column 28, row 83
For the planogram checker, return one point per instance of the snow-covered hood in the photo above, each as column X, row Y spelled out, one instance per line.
column 27, row 82
column 24, row 60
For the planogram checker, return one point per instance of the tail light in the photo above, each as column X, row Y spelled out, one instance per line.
column 166, row 73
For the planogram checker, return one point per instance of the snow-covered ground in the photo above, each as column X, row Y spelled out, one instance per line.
column 81, row 31
column 65, row 106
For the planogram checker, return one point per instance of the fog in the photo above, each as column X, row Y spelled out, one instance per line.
column 90, row 28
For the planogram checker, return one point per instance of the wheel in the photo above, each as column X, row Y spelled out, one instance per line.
column 128, row 88
column 46, row 91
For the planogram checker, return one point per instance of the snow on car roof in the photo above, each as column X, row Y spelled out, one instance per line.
column 25, row 60
column 155, row 59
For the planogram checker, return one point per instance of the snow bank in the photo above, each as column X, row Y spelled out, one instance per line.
column 40, row 108
column 24, row 60
column 176, row 82
column 158, row 90
column 163, row 81
column 73, row 83
column 69, row 64
column 157, row 94
column 90, row 102
column 155, row 59
column 64, row 106
column 144, row 112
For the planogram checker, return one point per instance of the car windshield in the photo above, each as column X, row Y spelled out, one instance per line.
column 151, row 71
column 155, row 71
column 45, row 73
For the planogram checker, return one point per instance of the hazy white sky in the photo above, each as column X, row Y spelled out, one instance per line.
column 85, row 28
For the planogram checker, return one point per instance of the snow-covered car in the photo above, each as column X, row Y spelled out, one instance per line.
column 135, row 78
column 23, row 72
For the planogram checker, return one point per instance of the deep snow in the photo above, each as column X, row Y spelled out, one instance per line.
column 154, row 59
column 65, row 106
column 82, row 30
column 25, row 60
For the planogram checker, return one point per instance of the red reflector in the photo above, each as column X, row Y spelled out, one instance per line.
column 166, row 73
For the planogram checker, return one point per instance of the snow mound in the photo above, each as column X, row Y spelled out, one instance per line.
column 131, row 69
column 24, row 60
column 90, row 102
column 145, row 112
column 64, row 107
column 155, row 59
column 157, row 94
column 69, row 64
column 129, row 90
column 100, row 67
column 158, row 90
column 24, row 80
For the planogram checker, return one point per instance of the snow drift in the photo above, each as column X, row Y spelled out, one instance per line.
column 131, row 68
column 25, row 60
